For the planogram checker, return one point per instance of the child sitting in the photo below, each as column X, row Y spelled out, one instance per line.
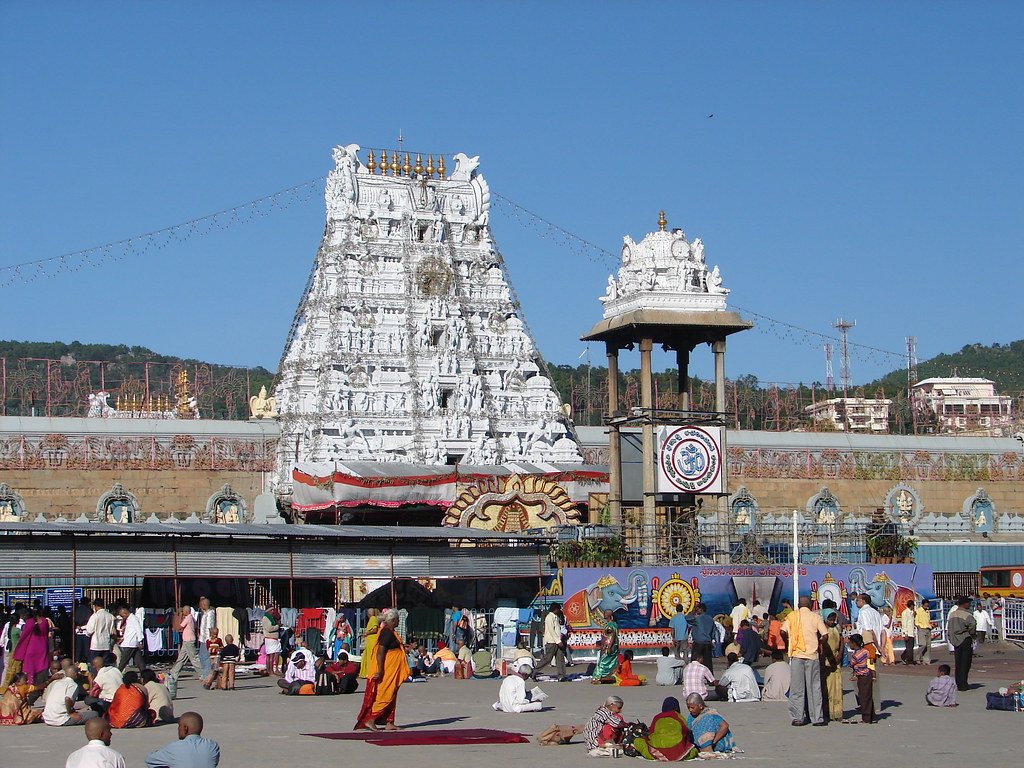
column 942, row 689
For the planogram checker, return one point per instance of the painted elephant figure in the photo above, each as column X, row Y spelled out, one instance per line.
column 608, row 595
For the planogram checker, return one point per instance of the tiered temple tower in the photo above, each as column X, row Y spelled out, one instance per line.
column 408, row 345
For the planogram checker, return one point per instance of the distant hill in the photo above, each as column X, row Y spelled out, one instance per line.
column 1002, row 363
column 63, row 389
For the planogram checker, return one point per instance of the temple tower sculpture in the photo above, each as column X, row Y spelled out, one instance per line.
column 408, row 344
column 664, row 293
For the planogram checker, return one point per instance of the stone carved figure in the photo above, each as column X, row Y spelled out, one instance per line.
column 465, row 167
column 714, row 280
column 99, row 407
column 352, row 437
column 697, row 251
column 611, row 291
column 261, row 406
column 340, row 191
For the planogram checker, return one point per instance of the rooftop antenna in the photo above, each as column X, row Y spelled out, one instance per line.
column 830, row 380
column 844, row 326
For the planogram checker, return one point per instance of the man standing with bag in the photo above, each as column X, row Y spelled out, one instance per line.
column 960, row 633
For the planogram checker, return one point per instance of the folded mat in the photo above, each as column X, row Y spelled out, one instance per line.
column 427, row 737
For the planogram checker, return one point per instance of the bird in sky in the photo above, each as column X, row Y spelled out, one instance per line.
column 710, row 116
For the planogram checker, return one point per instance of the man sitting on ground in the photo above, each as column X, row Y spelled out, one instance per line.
column 670, row 669
column 106, row 680
column 97, row 752
column 341, row 676
column 61, row 708
column 299, row 673
column 740, row 679
column 696, row 677
column 942, row 689
column 513, row 696
column 191, row 750
column 482, row 665
column 776, row 679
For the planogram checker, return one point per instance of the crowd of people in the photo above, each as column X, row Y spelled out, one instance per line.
column 796, row 655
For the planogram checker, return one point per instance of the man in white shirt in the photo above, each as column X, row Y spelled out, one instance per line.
column 741, row 680
column 670, row 669
column 738, row 614
column 131, row 641
column 97, row 752
column 984, row 621
column 868, row 619
column 206, row 621
column 513, row 696
column 60, row 706
column 553, row 642
column 100, row 629
column 777, row 679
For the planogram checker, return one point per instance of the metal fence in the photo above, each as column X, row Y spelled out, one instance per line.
column 1013, row 620
column 685, row 542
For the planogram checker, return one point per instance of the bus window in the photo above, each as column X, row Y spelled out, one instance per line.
column 995, row 578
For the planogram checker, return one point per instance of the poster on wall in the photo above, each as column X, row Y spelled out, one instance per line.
column 641, row 600
column 689, row 460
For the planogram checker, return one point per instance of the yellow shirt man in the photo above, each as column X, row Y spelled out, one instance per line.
column 922, row 618
column 803, row 628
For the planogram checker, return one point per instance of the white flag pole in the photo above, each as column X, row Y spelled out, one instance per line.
column 796, row 561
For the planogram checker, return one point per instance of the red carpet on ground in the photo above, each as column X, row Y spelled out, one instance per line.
column 424, row 738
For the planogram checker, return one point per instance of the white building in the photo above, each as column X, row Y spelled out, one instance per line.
column 853, row 414
column 408, row 344
column 965, row 404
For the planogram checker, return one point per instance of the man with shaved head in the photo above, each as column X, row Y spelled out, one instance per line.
column 97, row 752
column 191, row 750
column 804, row 630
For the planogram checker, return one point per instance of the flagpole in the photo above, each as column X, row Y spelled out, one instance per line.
column 796, row 561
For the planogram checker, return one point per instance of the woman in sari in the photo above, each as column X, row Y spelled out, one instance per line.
column 669, row 739
column 389, row 668
column 608, row 661
column 831, row 667
column 369, row 641
column 604, row 728
column 709, row 729
column 14, row 706
column 130, row 707
column 34, row 647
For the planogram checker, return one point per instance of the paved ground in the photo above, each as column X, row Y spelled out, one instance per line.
column 257, row 727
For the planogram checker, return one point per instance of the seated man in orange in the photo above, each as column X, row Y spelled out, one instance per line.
column 130, row 707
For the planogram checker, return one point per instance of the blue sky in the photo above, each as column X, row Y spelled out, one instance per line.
column 863, row 160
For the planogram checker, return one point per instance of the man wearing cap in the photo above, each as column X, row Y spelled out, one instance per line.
column 299, row 673
column 513, row 696
column 960, row 633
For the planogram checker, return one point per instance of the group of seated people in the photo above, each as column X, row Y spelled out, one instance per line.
column 671, row 736
column 462, row 663
column 739, row 682
column 70, row 696
column 307, row 675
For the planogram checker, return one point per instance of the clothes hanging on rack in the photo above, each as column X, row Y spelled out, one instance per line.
column 227, row 624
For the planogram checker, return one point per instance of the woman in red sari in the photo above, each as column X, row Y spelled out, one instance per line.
column 130, row 707
column 33, row 649
column 387, row 670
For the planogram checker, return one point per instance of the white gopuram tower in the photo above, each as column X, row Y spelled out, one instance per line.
column 408, row 345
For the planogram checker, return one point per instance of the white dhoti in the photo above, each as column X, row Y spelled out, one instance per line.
column 273, row 645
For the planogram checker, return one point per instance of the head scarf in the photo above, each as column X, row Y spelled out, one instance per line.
column 826, row 613
column 670, row 704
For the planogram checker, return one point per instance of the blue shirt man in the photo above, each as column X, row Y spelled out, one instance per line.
column 679, row 626
column 191, row 750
